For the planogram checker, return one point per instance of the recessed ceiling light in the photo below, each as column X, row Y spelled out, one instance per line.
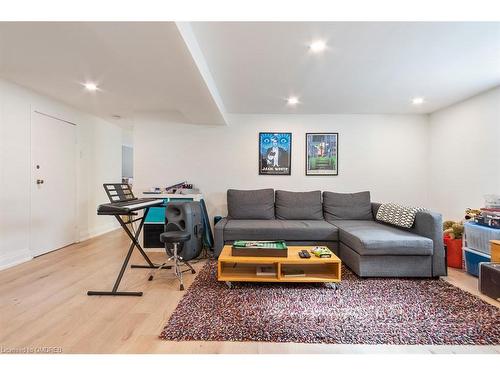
column 318, row 46
column 418, row 100
column 90, row 86
column 292, row 100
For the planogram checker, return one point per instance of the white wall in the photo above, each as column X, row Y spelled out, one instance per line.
column 464, row 155
column 99, row 144
column 128, row 137
column 386, row 154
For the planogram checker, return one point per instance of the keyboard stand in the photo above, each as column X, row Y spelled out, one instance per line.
column 134, row 236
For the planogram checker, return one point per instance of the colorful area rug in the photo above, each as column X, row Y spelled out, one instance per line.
column 363, row 311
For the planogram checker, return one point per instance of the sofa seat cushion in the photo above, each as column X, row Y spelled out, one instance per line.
column 296, row 230
column 368, row 237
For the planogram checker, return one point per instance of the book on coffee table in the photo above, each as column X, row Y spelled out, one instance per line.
column 266, row 271
column 293, row 272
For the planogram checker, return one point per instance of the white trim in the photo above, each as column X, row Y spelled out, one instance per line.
column 11, row 262
column 55, row 118
column 30, row 177
column 14, row 262
column 98, row 232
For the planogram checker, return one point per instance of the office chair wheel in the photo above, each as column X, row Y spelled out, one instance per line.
column 150, row 278
column 181, row 287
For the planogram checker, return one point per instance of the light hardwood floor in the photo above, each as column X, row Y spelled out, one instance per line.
column 43, row 303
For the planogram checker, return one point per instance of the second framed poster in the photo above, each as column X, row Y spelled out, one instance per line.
column 322, row 150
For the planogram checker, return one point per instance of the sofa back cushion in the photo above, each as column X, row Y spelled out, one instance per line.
column 299, row 205
column 351, row 206
column 250, row 204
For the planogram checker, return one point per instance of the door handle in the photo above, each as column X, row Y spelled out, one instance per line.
column 39, row 182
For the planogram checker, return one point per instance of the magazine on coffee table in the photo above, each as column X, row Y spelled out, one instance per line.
column 266, row 271
column 293, row 272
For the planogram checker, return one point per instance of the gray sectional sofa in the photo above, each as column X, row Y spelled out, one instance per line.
column 344, row 222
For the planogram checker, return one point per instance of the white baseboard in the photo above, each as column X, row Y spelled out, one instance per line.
column 98, row 232
column 83, row 236
column 7, row 263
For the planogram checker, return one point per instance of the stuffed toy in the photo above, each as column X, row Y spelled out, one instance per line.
column 447, row 224
column 471, row 213
column 453, row 229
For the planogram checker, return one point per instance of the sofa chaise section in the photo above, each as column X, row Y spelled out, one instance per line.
column 370, row 248
column 375, row 249
column 430, row 225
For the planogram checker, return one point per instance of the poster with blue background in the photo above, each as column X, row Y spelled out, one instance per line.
column 275, row 153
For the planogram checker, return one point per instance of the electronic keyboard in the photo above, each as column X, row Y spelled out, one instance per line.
column 128, row 206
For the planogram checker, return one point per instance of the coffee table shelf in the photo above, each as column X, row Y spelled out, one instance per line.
column 243, row 268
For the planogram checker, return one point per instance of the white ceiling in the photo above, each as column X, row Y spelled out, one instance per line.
column 368, row 67
column 196, row 72
column 140, row 67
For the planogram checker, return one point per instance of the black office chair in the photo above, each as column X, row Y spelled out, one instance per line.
column 175, row 237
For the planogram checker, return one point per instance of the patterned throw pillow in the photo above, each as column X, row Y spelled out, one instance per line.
column 397, row 214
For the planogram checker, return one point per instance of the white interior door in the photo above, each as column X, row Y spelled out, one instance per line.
column 53, row 178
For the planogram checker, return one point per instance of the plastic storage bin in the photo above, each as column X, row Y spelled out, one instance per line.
column 472, row 260
column 478, row 237
column 492, row 201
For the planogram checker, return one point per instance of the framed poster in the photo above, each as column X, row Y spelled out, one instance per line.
column 322, row 151
column 275, row 153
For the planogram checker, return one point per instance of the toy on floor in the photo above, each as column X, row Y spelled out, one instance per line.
column 453, row 229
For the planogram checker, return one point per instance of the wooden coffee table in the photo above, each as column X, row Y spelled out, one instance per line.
column 243, row 268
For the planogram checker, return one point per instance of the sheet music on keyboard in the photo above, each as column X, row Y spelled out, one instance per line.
column 118, row 192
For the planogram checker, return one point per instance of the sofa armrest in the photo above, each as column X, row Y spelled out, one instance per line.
column 219, row 236
column 430, row 224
